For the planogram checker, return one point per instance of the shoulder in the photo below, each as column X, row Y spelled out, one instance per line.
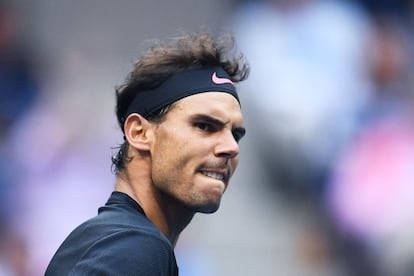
column 128, row 252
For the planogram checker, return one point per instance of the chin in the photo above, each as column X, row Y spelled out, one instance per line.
column 208, row 208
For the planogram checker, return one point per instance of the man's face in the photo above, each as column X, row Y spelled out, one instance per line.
column 196, row 151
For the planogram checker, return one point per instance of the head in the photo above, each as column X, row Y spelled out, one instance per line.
column 194, row 126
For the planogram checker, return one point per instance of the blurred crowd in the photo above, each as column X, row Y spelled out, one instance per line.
column 331, row 90
column 329, row 111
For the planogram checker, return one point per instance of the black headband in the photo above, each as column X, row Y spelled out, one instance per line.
column 181, row 85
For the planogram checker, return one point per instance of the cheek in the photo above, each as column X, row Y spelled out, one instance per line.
column 169, row 164
column 174, row 148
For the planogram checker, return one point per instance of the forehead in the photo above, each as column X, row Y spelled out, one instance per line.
column 219, row 104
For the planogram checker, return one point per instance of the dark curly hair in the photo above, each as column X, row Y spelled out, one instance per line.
column 190, row 51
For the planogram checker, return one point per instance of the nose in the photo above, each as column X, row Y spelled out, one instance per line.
column 227, row 146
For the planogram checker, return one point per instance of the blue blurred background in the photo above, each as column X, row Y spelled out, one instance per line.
column 325, row 184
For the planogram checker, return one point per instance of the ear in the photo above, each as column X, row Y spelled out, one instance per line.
column 138, row 132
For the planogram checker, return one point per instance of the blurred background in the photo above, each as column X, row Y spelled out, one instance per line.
column 325, row 184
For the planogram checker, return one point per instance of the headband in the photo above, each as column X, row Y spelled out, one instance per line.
column 181, row 85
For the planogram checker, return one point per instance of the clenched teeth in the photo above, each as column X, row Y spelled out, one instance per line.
column 218, row 176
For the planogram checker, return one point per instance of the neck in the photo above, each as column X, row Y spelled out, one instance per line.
column 174, row 217
column 165, row 212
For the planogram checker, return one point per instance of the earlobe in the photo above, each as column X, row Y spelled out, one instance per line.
column 137, row 130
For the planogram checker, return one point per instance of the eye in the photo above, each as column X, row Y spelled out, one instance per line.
column 238, row 134
column 204, row 126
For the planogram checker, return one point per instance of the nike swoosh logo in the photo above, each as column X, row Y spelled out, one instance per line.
column 218, row 80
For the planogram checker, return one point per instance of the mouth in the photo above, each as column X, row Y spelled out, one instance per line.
column 218, row 175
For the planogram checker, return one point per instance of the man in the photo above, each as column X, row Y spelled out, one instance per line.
column 181, row 120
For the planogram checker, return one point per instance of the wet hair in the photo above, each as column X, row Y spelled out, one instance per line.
column 165, row 58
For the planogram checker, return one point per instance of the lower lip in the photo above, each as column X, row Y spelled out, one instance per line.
column 216, row 183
